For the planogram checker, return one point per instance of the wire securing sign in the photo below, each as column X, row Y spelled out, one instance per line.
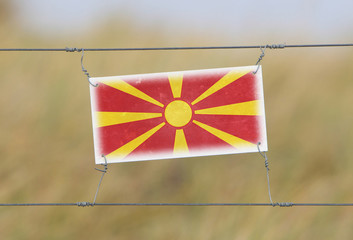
column 177, row 94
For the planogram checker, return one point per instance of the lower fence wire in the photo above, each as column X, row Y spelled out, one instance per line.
column 94, row 203
column 87, row 204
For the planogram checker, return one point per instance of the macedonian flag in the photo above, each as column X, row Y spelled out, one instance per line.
column 178, row 114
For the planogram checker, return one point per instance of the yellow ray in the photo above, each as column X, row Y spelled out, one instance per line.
column 245, row 108
column 127, row 88
column 180, row 145
column 125, row 150
column 112, row 118
column 228, row 138
column 176, row 82
column 224, row 81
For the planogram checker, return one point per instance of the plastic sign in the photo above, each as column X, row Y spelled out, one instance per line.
column 178, row 114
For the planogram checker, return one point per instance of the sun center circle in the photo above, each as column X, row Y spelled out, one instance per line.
column 178, row 113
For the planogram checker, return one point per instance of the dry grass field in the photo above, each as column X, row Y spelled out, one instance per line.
column 46, row 146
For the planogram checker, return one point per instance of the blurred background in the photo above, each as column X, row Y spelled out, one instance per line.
column 46, row 145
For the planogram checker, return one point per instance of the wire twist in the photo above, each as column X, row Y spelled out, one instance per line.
column 260, row 59
column 263, row 154
column 67, row 49
column 283, row 204
column 263, row 48
column 104, row 171
column 83, row 68
column 84, row 204
column 276, row 46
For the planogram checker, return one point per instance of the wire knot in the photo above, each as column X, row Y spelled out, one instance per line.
column 105, row 164
column 84, row 204
column 276, row 46
column 267, row 164
column 67, row 49
column 283, row 204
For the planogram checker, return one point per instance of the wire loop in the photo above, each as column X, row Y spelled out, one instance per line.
column 103, row 172
column 263, row 154
column 105, row 164
column 83, row 68
column 260, row 58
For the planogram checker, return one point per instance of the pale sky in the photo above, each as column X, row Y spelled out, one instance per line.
column 319, row 21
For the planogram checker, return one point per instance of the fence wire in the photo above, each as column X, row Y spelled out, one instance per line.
column 269, row 46
column 89, row 204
